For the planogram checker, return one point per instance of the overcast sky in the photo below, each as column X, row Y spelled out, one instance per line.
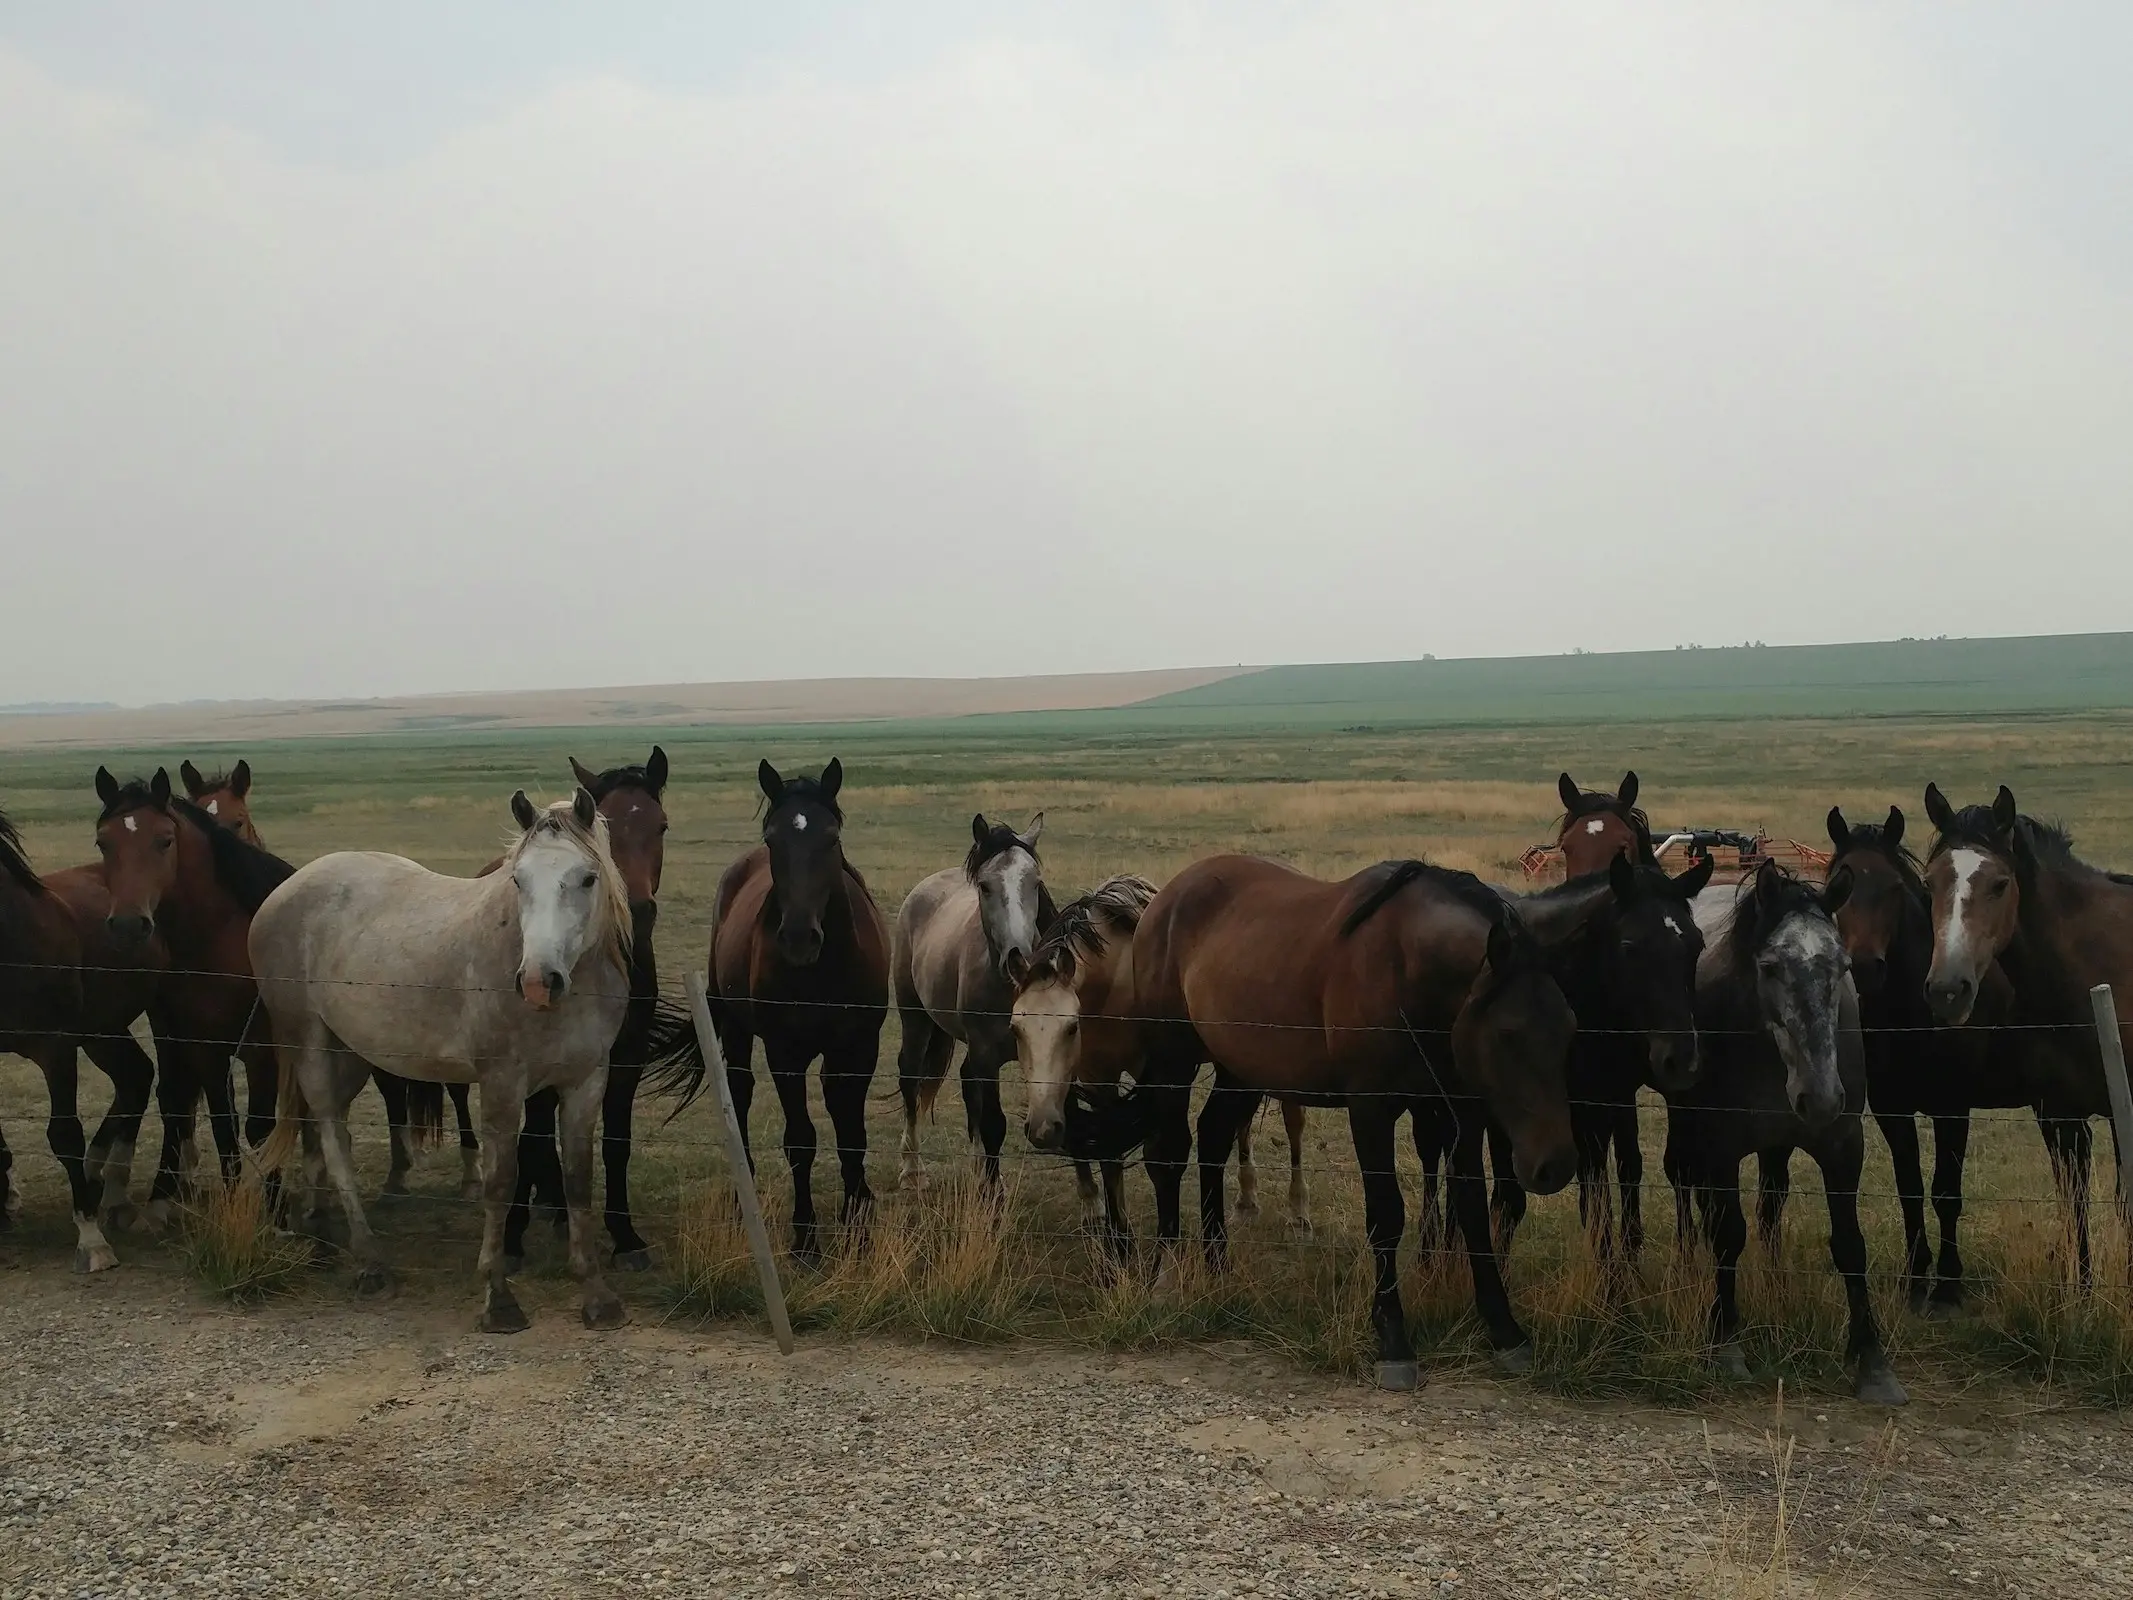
column 351, row 349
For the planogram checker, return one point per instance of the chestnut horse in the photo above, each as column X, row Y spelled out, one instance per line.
column 1597, row 826
column 40, row 1017
column 799, row 959
column 2009, row 892
column 1406, row 984
column 629, row 798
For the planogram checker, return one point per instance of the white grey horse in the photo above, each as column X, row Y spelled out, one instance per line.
column 956, row 934
column 517, row 982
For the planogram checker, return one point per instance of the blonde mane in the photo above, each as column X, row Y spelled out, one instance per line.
column 560, row 818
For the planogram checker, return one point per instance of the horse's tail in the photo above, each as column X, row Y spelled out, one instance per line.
column 425, row 1114
column 674, row 1061
column 288, row 1117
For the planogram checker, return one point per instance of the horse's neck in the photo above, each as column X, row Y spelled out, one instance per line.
column 198, row 909
column 2054, row 959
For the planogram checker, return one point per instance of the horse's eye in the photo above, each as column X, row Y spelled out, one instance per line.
column 165, row 844
column 588, row 880
column 1998, row 889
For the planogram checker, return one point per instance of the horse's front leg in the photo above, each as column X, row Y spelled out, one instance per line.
column 1371, row 1119
column 847, row 1074
column 503, row 1105
column 598, row 1306
column 1292, row 1121
column 92, row 1251
column 617, row 1111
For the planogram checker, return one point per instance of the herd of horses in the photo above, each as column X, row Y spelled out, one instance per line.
column 1513, row 1030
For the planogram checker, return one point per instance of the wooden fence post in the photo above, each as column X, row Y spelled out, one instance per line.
column 2114, row 1074
column 766, row 1264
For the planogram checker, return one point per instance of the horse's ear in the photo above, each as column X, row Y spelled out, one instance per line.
column 1697, row 879
column 977, row 827
column 1031, row 834
column 1892, row 830
column 1627, row 794
column 2003, row 809
column 522, row 811
column 107, row 787
column 583, row 807
column 195, row 782
column 1622, row 878
column 1568, row 792
column 832, row 779
column 655, row 772
column 767, row 779
column 1837, row 890
column 586, row 779
column 1938, row 811
column 1840, row 833
column 1767, row 883
column 1017, row 967
column 241, row 778
column 159, row 789
column 1504, row 936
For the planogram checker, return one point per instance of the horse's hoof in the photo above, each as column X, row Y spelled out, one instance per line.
column 602, row 1311
column 1945, row 1310
column 912, row 1182
column 502, row 1315
column 1515, row 1361
column 122, row 1217
column 1730, row 1362
column 102, row 1259
column 633, row 1260
column 471, row 1189
column 157, row 1218
column 1876, row 1382
column 1400, row 1377
column 514, row 1265
column 395, row 1186
column 373, row 1282
column 1247, row 1206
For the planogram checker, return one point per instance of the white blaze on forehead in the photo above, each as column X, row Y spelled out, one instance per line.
column 1965, row 864
column 799, row 821
column 1596, row 825
column 132, row 826
column 214, row 808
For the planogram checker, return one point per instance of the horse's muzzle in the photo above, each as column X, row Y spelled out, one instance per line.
column 542, row 989
column 1675, row 1061
column 1950, row 1001
column 128, row 932
column 1046, row 1132
column 800, row 947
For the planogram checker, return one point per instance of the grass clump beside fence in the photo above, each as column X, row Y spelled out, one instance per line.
column 229, row 1241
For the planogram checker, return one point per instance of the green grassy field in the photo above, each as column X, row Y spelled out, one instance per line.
column 1121, row 795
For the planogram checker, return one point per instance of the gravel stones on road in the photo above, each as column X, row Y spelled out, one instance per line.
column 150, row 1445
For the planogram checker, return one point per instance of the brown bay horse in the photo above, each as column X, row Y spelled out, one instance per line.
column 1408, row 984
column 2009, row 893
column 631, row 799
column 800, row 960
column 1596, row 826
column 40, row 1017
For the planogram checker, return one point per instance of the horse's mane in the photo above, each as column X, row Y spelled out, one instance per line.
column 1874, row 836
column 560, row 819
column 247, row 873
column 999, row 839
column 1086, row 927
column 131, row 795
column 1598, row 802
column 1463, row 887
column 218, row 779
column 16, row 860
column 630, row 777
column 1754, row 922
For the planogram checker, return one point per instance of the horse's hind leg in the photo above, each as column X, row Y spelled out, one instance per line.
column 2071, row 1146
column 1247, row 1168
column 618, row 1107
column 1839, row 1156
column 539, row 1176
column 502, row 1108
column 1431, row 1231
column 1470, row 1200
column 1227, row 1110
column 598, row 1305
column 1951, row 1145
column 63, row 1130
column 1629, row 1178
column 393, row 1091
column 1727, row 1225
column 1507, row 1206
column 1900, row 1132
column 1592, row 1130
column 469, row 1147
column 221, row 1110
column 1774, row 1168
column 132, row 1077
column 847, row 1074
column 984, row 1119
column 1292, row 1122
column 921, row 1066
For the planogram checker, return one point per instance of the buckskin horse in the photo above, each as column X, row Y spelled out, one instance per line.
column 800, row 959
column 364, row 957
column 2009, row 892
column 1405, row 984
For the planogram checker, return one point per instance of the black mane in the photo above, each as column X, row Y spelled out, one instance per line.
column 1754, row 922
column 631, row 777
column 1598, row 802
column 248, row 873
column 132, row 795
column 1081, row 927
column 999, row 839
column 15, row 860
column 1463, row 887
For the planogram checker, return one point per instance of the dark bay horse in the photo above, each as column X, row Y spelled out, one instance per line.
column 631, row 798
column 1914, row 1067
column 225, row 796
column 1782, row 1070
column 2009, row 893
column 959, row 934
column 1406, row 984
column 40, row 1017
column 1596, row 826
column 800, row 960
column 175, row 876
column 1622, row 944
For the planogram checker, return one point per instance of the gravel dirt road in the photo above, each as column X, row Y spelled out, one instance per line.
column 155, row 1444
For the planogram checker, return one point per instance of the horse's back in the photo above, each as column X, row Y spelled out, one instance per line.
column 938, row 950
